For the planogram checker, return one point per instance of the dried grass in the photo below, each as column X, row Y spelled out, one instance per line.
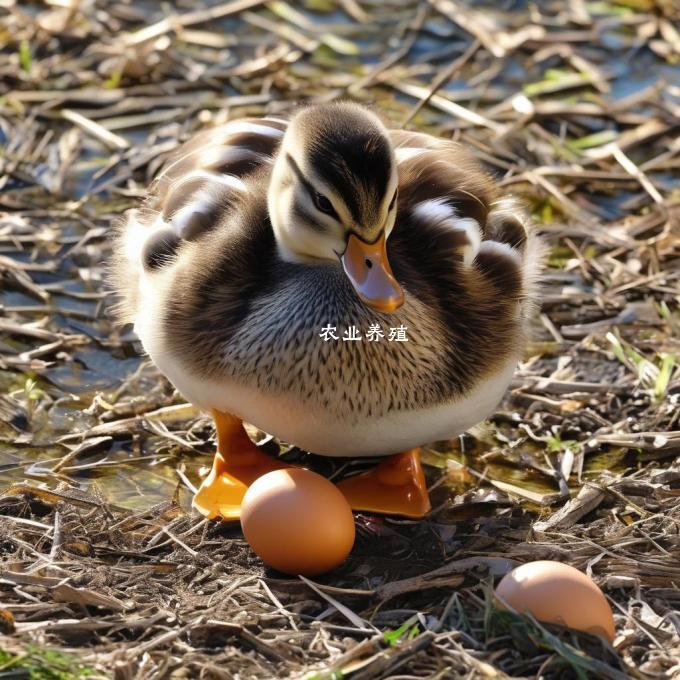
column 575, row 107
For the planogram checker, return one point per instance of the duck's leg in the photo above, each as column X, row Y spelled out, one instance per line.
column 395, row 487
column 237, row 464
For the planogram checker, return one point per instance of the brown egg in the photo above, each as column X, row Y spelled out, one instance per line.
column 297, row 521
column 557, row 593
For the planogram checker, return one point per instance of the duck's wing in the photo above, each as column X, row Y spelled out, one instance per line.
column 209, row 170
column 465, row 250
column 444, row 190
column 193, row 192
column 440, row 172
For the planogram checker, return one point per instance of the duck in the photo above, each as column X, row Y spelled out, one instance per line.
column 351, row 289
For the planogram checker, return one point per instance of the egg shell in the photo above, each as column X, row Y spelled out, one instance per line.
column 297, row 521
column 558, row 593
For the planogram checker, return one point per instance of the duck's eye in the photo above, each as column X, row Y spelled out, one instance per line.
column 323, row 204
column 393, row 202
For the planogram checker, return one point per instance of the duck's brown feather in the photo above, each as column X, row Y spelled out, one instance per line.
column 235, row 309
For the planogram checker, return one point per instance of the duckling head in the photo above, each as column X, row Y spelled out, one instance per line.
column 333, row 195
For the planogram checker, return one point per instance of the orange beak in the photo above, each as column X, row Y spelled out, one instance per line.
column 369, row 271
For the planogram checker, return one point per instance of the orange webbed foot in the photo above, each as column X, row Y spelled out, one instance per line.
column 237, row 464
column 395, row 487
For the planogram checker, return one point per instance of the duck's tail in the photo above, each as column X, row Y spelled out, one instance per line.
column 124, row 267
